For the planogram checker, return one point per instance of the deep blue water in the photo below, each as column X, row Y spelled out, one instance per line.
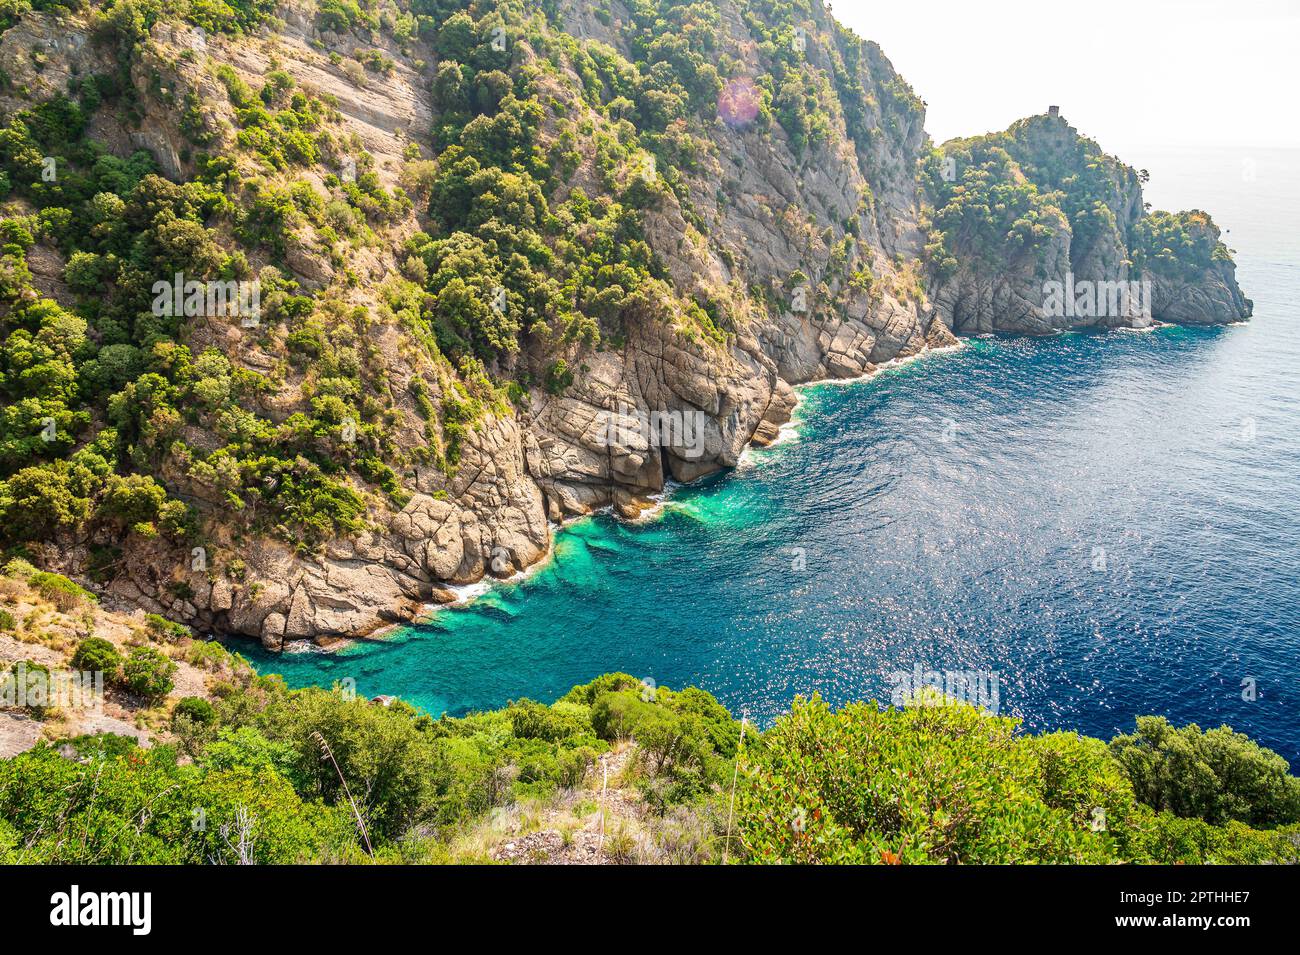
column 949, row 511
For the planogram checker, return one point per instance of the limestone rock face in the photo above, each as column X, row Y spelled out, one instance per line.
column 1212, row 299
column 46, row 57
column 979, row 301
column 671, row 408
column 1075, row 256
column 818, row 254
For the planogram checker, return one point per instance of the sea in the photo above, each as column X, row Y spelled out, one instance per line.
column 1099, row 525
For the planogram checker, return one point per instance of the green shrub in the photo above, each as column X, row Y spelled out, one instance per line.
column 32, row 681
column 141, row 806
column 386, row 754
column 163, row 629
column 95, row 654
column 587, row 693
column 573, row 765
column 196, row 709
column 618, row 715
column 558, row 377
column 1217, row 775
column 19, row 569
column 148, row 673
column 1078, row 774
column 1177, row 244
column 212, row 656
column 1162, row 837
column 531, row 720
column 60, row 591
column 944, row 784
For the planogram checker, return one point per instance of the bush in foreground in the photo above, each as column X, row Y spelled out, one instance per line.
column 148, row 673
column 926, row 784
column 1217, row 775
column 949, row 784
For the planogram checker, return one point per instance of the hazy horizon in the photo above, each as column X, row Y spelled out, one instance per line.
column 1145, row 73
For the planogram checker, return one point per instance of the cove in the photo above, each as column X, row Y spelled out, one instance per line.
column 1109, row 523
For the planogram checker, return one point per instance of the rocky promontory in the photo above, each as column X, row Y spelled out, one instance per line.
column 514, row 267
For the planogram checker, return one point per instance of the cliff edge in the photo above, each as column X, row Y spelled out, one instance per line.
column 315, row 310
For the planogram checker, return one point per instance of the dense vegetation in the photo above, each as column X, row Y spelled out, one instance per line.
column 97, row 398
column 1004, row 195
column 257, row 769
column 946, row 783
column 934, row 782
column 1177, row 244
column 987, row 206
column 147, row 422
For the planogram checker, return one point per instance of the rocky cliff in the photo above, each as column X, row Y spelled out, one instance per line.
column 1036, row 229
column 513, row 267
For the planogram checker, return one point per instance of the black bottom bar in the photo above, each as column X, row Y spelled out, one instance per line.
column 364, row 904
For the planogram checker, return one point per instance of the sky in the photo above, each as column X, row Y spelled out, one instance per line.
column 1128, row 73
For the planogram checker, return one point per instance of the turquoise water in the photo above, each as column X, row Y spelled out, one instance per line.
column 950, row 513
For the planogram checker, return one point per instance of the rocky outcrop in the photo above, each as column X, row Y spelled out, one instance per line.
column 1037, row 230
column 818, row 256
column 495, row 526
column 978, row 300
column 1212, row 298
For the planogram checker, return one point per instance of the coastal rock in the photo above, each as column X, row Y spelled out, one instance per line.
column 1068, row 258
column 1213, row 298
column 776, row 262
column 273, row 628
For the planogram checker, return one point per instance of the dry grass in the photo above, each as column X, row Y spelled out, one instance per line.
column 53, row 634
column 585, row 826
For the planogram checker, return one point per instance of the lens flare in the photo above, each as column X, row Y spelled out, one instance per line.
column 738, row 103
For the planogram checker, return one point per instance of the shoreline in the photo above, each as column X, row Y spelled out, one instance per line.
column 661, row 502
column 443, row 665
